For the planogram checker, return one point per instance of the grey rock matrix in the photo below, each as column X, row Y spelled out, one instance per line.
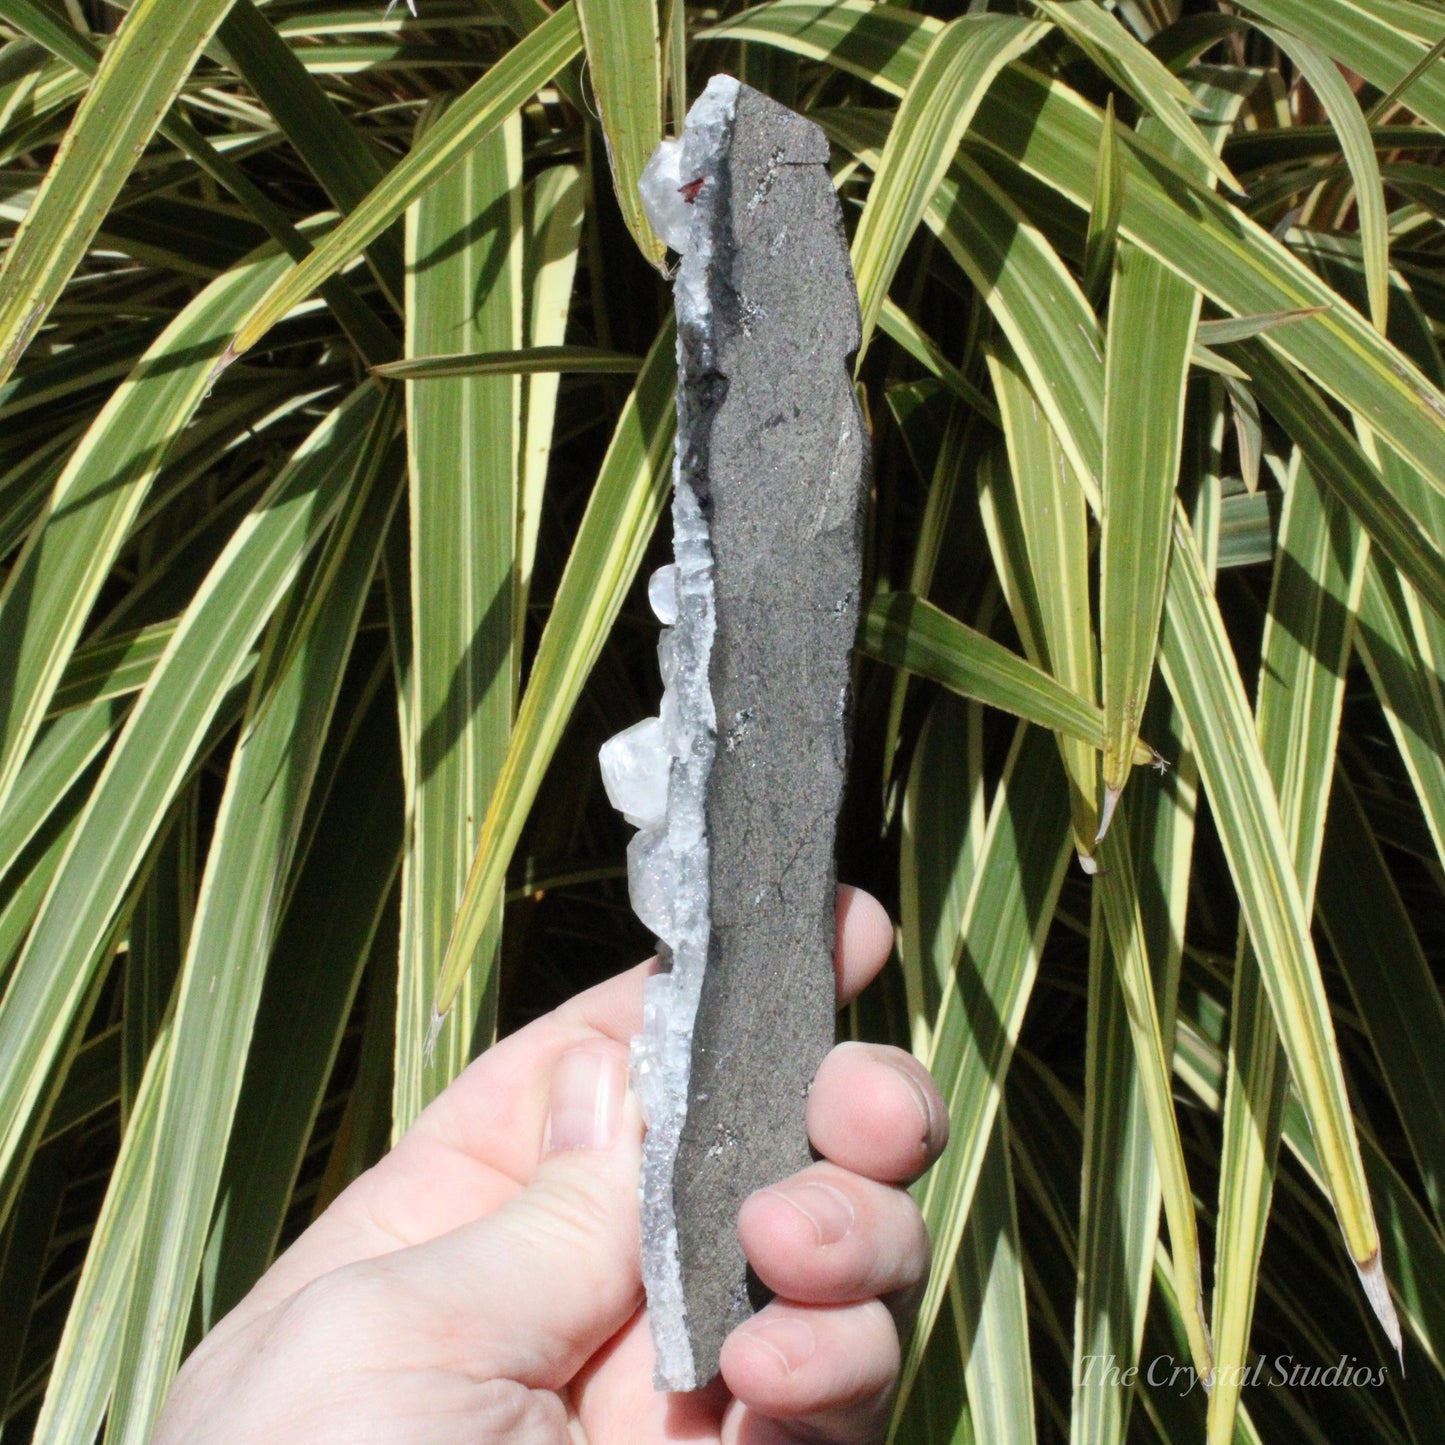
column 735, row 786
column 782, row 460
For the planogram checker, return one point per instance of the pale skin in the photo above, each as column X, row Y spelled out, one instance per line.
column 481, row 1284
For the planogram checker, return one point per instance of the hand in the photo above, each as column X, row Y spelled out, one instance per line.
column 481, row 1283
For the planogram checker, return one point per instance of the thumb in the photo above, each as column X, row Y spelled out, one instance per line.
column 546, row 1280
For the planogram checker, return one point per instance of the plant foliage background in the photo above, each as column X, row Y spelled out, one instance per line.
column 335, row 377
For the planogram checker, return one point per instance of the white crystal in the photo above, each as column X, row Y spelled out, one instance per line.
column 652, row 882
column 656, row 772
column 662, row 594
column 660, row 186
column 635, row 765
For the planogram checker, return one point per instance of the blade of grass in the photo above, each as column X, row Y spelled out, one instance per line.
column 1358, row 147
column 1010, row 904
column 342, row 889
column 1054, row 135
column 53, row 584
column 1102, row 235
column 1120, row 1192
column 1370, row 932
column 1116, row 882
column 531, row 361
column 1136, row 70
column 1152, row 315
column 992, row 1304
column 63, row 753
column 247, row 871
column 464, row 288
column 1408, row 693
column 905, row 631
column 624, row 55
column 110, row 667
column 530, row 64
column 1200, row 669
column 1338, row 461
column 944, row 816
column 84, row 1373
column 1052, row 517
column 1023, row 282
column 160, row 931
column 139, row 76
column 625, row 505
column 334, row 149
column 153, row 755
column 957, row 69
column 554, row 208
column 1307, row 635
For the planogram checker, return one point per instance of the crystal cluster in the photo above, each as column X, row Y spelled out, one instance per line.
column 656, row 772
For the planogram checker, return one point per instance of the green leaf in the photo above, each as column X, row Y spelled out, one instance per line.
column 1306, row 645
column 1026, row 285
column 153, row 754
column 1011, row 900
column 86, row 1364
column 140, row 75
column 1241, row 328
column 624, row 56
column 1050, row 513
column 464, row 287
column 498, row 94
column 990, row 1275
column 111, row 667
column 344, row 893
column 1053, row 134
column 1201, row 672
column 248, row 869
column 1121, row 57
column 1358, row 146
column 883, row 44
column 908, row 632
column 554, row 206
column 1102, row 235
column 1371, row 934
column 531, row 361
column 53, row 585
column 959, row 66
column 1151, row 333
column 338, row 156
column 1340, row 464
column 1382, row 40
column 625, row 505
column 1394, row 649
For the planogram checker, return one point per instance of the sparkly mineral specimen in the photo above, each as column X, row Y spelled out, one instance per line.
column 735, row 787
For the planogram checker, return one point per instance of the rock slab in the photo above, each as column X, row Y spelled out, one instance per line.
column 778, row 454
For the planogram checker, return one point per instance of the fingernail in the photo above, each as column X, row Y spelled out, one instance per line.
column 828, row 1210
column 920, row 1099
column 790, row 1341
column 588, row 1086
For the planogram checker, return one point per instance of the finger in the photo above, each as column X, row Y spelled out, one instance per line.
column 532, row 1291
column 875, row 1110
column 616, row 1403
column 826, row 1236
column 809, row 1373
column 478, row 1143
column 494, row 1109
column 864, row 941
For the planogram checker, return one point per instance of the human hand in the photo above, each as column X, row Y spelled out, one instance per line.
column 482, row 1284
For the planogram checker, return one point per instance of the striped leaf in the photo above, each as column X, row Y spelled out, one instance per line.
column 624, row 56
column 142, row 71
column 464, row 292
